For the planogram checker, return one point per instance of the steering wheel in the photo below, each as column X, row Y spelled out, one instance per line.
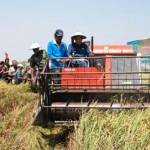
column 77, row 62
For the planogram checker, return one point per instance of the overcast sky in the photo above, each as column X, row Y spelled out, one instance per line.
column 109, row 21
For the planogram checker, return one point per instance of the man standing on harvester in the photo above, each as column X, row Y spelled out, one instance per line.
column 57, row 49
column 35, row 60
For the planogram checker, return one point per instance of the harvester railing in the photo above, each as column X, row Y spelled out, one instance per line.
column 102, row 74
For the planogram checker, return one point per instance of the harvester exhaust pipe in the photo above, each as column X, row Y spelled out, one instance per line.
column 92, row 43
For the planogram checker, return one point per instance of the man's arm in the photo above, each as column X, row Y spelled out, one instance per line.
column 70, row 50
column 32, row 63
column 50, row 50
column 66, row 51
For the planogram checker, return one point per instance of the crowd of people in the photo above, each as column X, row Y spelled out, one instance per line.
column 14, row 72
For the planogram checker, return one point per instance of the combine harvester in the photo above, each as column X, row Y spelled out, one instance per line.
column 113, row 80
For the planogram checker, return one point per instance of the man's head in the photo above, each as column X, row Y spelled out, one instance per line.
column 78, row 37
column 35, row 47
column 58, row 36
column 7, row 61
column 2, row 63
column 20, row 66
column 14, row 63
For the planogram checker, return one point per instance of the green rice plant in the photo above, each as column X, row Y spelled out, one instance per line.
column 112, row 130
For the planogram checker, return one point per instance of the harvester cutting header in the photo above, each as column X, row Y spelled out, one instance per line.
column 91, row 76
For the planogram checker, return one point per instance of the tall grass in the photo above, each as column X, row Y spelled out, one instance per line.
column 16, row 131
column 96, row 131
column 112, row 131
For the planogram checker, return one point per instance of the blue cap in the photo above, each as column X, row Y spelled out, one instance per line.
column 59, row 32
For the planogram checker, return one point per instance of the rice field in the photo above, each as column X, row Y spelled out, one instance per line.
column 97, row 130
column 17, row 105
column 125, row 130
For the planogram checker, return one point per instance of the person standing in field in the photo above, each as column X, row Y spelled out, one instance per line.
column 19, row 74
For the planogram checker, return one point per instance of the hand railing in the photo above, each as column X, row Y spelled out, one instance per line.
column 110, row 72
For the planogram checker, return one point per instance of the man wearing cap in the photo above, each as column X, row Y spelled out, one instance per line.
column 57, row 49
column 18, row 74
column 79, row 49
column 35, row 60
column 37, row 56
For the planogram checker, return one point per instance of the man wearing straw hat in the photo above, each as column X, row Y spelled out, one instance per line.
column 79, row 49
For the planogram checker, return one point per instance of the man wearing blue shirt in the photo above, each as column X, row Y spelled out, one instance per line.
column 57, row 49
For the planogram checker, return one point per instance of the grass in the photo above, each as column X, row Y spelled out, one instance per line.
column 17, row 105
column 112, row 131
column 97, row 130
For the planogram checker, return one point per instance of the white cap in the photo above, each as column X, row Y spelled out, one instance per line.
column 20, row 65
column 35, row 45
column 79, row 34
